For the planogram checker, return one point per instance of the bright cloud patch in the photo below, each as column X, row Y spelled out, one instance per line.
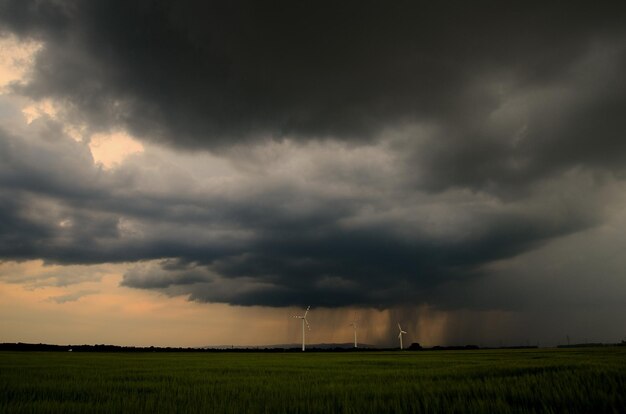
column 111, row 149
column 16, row 58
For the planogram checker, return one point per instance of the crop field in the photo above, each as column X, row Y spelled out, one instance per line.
column 485, row 381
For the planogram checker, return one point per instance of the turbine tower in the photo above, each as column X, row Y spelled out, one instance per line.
column 400, row 334
column 354, row 325
column 303, row 317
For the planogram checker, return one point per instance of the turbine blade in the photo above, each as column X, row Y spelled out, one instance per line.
column 403, row 332
column 307, row 323
column 399, row 327
column 307, row 311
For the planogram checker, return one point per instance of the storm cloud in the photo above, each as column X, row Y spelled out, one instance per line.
column 508, row 94
column 278, row 238
column 369, row 154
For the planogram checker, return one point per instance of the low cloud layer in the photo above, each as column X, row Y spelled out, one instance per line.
column 271, row 233
column 343, row 155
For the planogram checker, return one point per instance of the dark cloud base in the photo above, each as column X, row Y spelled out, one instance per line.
column 254, row 248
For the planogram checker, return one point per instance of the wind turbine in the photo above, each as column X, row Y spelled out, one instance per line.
column 303, row 317
column 354, row 325
column 400, row 334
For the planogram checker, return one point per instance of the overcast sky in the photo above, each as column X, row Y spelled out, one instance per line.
column 177, row 173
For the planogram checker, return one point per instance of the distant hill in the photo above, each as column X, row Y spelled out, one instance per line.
column 212, row 348
column 292, row 347
column 346, row 345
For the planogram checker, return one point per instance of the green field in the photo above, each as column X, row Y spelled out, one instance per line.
column 485, row 381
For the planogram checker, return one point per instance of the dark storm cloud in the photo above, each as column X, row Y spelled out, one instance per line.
column 367, row 265
column 496, row 123
column 536, row 131
column 275, row 244
column 195, row 73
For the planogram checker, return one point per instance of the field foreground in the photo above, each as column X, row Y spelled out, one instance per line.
column 485, row 381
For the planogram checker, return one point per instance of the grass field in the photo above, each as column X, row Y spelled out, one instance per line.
column 485, row 381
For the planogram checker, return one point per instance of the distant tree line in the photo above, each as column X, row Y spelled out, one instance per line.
column 115, row 348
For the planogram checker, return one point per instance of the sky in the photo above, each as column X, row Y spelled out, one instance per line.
column 192, row 173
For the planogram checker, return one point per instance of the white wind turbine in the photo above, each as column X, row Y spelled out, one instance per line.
column 354, row 325
column 303, row 317
column 400, row 334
